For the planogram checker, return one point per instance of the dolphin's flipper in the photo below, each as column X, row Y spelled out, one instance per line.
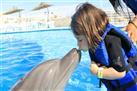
column 52, row 75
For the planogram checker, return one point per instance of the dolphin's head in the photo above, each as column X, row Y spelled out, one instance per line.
column 70, row 59
column 66, row 67
column 52, row 75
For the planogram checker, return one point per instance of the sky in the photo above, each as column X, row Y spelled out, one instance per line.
column 59, row 7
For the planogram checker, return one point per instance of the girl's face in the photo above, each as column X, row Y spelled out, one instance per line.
column 82, row 42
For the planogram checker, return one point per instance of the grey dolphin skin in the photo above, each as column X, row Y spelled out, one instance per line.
column 52, row 75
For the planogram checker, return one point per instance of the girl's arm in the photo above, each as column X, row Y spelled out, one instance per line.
column 108, row 73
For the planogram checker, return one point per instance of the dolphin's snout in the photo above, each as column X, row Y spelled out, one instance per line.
column 79, row 53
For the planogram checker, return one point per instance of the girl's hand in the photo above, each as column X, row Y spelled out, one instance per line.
column 94, row 68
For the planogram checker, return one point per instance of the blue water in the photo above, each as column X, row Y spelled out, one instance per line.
column 21, row 52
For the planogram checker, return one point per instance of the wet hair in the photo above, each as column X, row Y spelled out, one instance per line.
column 91, row 22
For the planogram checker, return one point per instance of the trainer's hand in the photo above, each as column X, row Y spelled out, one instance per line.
column 132, row 32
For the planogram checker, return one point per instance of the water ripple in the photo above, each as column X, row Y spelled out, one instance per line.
column 17, row 58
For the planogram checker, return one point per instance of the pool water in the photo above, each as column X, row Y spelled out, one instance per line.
column 21, row 52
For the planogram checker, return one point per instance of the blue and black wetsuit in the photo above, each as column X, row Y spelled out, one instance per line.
column 117, row 51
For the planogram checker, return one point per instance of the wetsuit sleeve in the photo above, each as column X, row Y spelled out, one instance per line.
column 114, row 49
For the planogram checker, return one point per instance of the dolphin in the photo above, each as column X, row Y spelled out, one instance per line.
column 51, row 75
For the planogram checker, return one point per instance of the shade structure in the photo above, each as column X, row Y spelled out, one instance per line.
column 12, row 10
column 42, row 5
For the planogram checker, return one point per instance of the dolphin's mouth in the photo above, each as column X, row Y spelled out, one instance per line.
column 79, row 52
column 70, row 62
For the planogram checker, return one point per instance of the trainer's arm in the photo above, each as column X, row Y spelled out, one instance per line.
column 132, row 29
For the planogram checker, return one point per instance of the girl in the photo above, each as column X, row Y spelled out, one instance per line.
column 112, row 53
